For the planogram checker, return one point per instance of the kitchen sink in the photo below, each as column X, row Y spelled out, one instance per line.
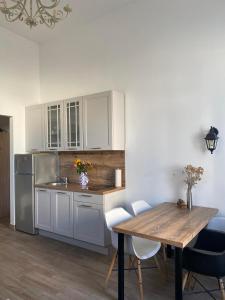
column 56, row 183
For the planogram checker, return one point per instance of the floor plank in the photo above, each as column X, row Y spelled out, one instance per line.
column 38, row 268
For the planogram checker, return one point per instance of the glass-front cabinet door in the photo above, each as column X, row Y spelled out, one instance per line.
column 73, row 124
column 54, row 126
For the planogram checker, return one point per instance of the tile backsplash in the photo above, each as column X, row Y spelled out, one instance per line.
column 105, row 163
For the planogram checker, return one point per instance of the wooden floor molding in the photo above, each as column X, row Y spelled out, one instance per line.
column 38, row 268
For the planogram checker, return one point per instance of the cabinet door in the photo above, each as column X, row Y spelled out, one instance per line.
column 63, row 213
column 35, row 136
column 89, row 225
column 43, row 210
column 54, row 126
column 73, row 124
column 97, row 122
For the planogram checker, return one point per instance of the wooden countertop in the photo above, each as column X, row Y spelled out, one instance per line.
column 73, row 187
column 168, row 224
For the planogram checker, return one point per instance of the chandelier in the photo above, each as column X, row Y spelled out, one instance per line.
column 34, row 12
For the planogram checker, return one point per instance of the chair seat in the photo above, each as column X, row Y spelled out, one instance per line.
column 144, row 248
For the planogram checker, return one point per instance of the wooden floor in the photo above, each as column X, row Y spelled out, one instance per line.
column 34, row 267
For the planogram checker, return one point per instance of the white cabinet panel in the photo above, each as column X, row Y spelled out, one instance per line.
column 35, row 132
column 97, row 122
column 104, row 121
column 43, row 210
column 89, row 223
column 73, row 120
column 63, row 213
column 54, row 126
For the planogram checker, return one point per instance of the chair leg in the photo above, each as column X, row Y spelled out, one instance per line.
column 185, row 279
column 157, row 262
column 111, row 268
column 130, row 262
column 221, row 285
column 192, row 282
column 188, row 282
column 140, row 279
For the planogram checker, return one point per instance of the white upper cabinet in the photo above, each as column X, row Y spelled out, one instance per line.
column 104, row 121
column 93, row 122
column 73, row 124
column 35, row 133
column 54, row 126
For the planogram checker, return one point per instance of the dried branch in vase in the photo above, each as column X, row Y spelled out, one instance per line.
column 193, row 175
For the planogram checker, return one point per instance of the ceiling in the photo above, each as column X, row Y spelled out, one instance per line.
column 84, row 12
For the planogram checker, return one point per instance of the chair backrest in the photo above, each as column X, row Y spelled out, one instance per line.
column 217, row 223
column 113, row 218
column 140, row 207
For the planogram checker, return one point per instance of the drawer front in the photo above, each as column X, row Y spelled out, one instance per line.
column 91, row 198
column 89, row 225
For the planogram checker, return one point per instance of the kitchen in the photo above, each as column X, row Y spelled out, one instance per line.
column 49, row 197
column 111, row 149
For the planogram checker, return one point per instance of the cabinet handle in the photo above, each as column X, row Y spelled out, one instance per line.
column 95, row 148
column 86, row 196
column 62, row 193
column 87, row 206
column 42, row 191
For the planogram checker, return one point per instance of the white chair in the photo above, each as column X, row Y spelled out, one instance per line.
column 217, row 223
column 133, row 246
column 142, row 206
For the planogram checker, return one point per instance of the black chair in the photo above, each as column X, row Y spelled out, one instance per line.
column 206, row 257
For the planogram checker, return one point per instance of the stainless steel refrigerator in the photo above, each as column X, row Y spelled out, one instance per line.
column 31, row 169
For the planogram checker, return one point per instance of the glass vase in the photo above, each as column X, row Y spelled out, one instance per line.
column 83, row 180
column 189, row 198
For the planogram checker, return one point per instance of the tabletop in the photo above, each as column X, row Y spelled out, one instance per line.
column 169, row 224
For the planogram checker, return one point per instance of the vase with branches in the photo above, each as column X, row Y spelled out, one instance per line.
column 193, row 176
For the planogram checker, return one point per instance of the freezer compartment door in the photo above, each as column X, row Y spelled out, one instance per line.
column 24, row 203
column 23, row 164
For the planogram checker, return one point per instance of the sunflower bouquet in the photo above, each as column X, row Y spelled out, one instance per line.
column 82, row 166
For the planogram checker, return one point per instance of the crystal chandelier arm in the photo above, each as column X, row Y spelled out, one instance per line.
column 33, row 12
column 48, row 18
column 55, row 3
column 14, row 12
column 45, row 17
column 2, row 2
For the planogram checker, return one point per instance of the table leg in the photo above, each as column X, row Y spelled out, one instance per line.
column 120, row 266
column 178, row 274
column 169, row 251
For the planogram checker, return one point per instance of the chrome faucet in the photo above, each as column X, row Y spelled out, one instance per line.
column 63, row 179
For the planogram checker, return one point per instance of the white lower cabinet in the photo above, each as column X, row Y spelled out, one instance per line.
column 62, row 203
column 43, row 210
column 73, row 215
column 89, row 225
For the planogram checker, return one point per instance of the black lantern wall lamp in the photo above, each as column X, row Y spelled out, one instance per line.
column 211, row 139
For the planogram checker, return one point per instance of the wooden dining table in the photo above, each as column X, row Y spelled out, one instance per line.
column 166, row 223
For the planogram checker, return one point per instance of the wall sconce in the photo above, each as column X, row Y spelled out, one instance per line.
column 211, row 139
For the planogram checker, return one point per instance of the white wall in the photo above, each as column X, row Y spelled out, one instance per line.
column 169, row 59
column 19, row 86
